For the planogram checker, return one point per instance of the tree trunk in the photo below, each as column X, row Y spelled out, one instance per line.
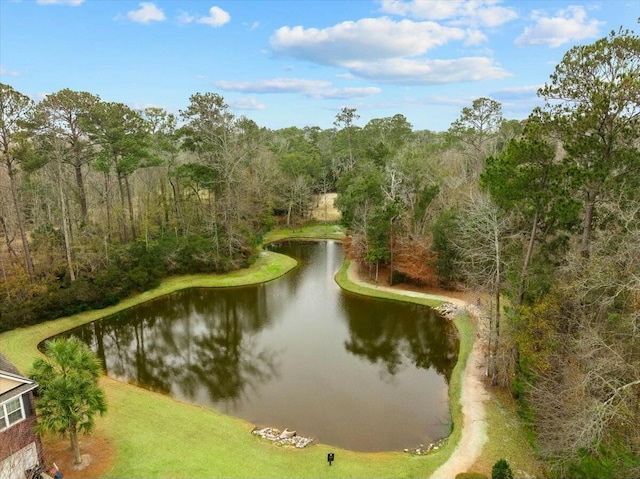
column 214, row 226
column 28, row 261
column 351, row 162
column 175, row 186
column 82, row 196
column 7, row 237
column 123, row 207
column 65, row 225
column 107, row 203
column 130, row 206
column 527, row 259
column 490, row 341
column 229, row 218
column 496, row 342
column 75, row 447
column 165, row 205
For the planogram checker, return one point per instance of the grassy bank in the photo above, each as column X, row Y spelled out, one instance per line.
column 319, row 231
column 20, row 344
column 156, row 436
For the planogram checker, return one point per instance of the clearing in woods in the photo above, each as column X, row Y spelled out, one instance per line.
column 324, row 209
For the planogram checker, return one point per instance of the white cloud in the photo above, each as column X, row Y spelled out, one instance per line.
column 251, row 26
column 486, row 13
column 410, row 71
column 460, row 101
column 346, row 76
column 516, row 93
column 274, row 85
column 246, row 104
column 73, row 3
column 490, row 16
column 519, row 101
column 185, row 18
column 474, row 37
column 367, row 39
column 387, row 51
column 343, row 93
column 310, row 88
column 570, row 24
column 217, row 17
column 4, row 72
column 148, row 12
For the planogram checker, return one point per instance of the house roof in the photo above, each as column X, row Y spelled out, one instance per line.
column 6, row 366
column 9, row 371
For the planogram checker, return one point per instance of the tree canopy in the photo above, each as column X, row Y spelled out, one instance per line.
column 69, row 397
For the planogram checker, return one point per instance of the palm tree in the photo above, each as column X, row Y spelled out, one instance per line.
column 69, row 396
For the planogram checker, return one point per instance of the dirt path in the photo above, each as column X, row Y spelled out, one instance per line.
column 474, row 394
column 474, row 424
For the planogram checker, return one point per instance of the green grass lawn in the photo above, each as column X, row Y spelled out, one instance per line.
column 156, row 436
column 318, row 231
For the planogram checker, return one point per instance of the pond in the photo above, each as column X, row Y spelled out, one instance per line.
column 298, row 352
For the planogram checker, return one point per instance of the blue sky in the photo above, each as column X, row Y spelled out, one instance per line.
column 298, row 62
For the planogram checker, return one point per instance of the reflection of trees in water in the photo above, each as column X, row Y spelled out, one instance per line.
column 376, row 340
column 128, row 347
column 227, row 367
column 186, row 341
column 408, row 333
column 227, row 361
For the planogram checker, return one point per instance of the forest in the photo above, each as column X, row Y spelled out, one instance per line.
column 540, row 217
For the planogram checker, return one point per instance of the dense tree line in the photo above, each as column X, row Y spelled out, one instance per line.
column 552, row 236
column 540, row 216
column 98, row 200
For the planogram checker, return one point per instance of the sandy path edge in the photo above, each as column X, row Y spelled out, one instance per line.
column 472, row 398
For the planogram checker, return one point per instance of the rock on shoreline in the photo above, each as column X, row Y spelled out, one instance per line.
column 283, row 438
column 450, row 310
column 422, row 449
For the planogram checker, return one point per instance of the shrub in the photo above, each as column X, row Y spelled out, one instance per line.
column 501, row 470
column 471, row 475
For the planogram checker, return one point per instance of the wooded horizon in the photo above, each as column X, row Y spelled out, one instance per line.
column 99, row 201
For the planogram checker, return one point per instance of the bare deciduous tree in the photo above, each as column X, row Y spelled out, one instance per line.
column 482, row 231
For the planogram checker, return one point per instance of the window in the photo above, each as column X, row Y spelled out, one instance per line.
column 11, row 412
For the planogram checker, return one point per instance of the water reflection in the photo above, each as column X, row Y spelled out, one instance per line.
column 391, row 340
column 188, row 344
column 363, row 374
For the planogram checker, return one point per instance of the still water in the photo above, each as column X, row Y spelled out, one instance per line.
column 354, row 372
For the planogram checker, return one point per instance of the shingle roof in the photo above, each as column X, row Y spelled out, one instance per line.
column 6, row 366
column 8, row 369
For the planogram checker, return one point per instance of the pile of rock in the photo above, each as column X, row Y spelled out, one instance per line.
column 284, row 438
column 450, row 310
column 422, row 449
